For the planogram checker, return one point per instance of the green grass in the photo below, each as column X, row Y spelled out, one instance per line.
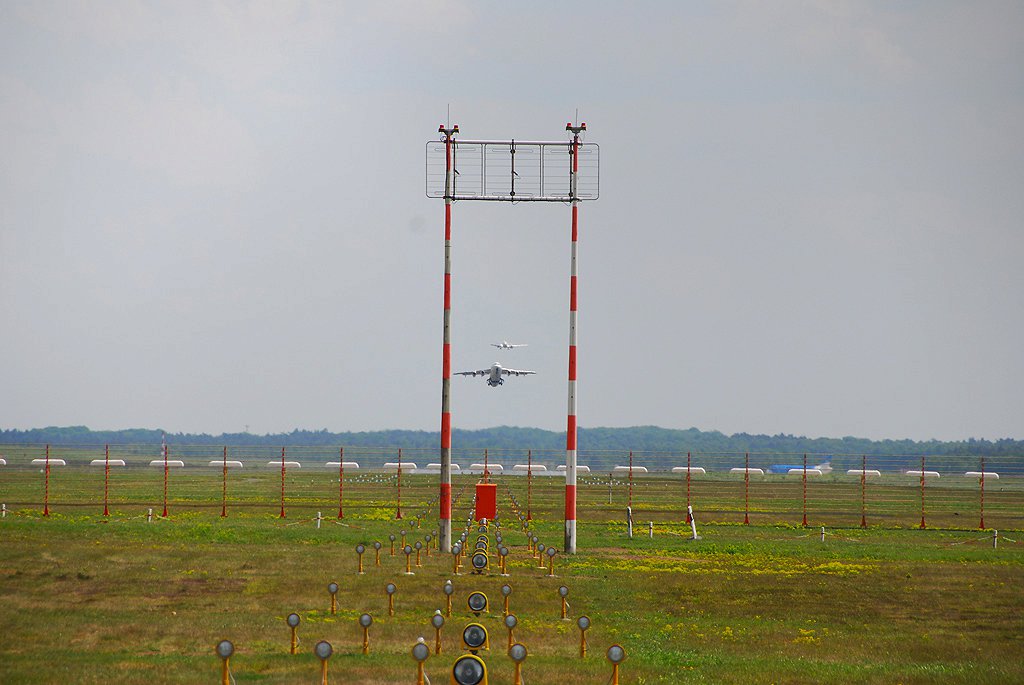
column 94, row 599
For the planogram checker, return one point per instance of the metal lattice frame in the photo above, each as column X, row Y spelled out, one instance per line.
column 510, row 171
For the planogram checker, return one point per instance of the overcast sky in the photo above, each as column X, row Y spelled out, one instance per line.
column 213, row 217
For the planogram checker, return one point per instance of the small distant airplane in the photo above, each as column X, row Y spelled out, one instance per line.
column 783, row 469
column 507, row 346
column 495, row 373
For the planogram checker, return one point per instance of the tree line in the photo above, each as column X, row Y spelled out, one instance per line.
column 645, row 439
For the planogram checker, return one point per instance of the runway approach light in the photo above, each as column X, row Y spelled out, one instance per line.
column 456, row 558
column 503, row 560
column 224, row 650
column 391, row 537
column 583, row 622
column 420, row 652
column 563, row 592
column 408, row 560
column 366, row 621
column 376, row 547
column 477, row 602
column 616, row 655
column 506, row 590
column 293, row 623
column 418, row 546
column 474, row 636
column 391, row 588
column 469, row 669
column 517, row 653
column 448, row 590
column 333, row 589
column 479, row 562
column 323, row 651
column 551, row 561
column 511, row 622
column 360, row 548
column 437, row 620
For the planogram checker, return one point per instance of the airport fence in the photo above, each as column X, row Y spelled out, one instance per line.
column 959, row 492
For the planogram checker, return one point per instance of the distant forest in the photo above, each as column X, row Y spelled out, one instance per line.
column 642, row 439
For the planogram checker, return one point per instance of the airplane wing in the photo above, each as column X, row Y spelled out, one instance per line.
column 496, row 345
column 481, row 372
column 517, row 372
column 519, row 345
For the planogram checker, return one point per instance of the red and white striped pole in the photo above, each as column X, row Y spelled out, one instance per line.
column 106, row 479
column 224, row 484
column 282, row 483
column 445, row 524
column 341, row 481
column 163, row 448
column 570, row 432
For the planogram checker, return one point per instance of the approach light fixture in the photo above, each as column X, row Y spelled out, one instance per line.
column 511, row 622
column 477, row 602
column 323, row 651
column 616, row 655
column 437, row 620
column 479, row 562
column 360, row 548
column 366, row 621
column 469, row 669
column 583, row 622
column 517, row 653
column 420, row 652
column 391, row 588
column 332, row 588
column 224, row 650
column 293, row 623
column 474, row 636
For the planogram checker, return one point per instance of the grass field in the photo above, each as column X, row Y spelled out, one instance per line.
column 94, row 599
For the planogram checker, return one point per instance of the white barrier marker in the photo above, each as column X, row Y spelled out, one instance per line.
column 693, row 523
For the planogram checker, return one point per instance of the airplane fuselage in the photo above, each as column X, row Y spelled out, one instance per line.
column 495, row 379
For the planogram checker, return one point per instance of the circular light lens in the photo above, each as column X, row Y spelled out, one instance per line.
column 468, row 671
column 480, row 544
column 408, row 549
column 448, row 588
column 360, row 548
column 332, row 588
column 457, row 550
column 506, row 590
column 366, row 620
column 511, row 621
column 616, row 654
column 477, row 601
column 225, row 649
column 517, row 652
column 376, row 545
column 583, row 622
column 323, row 650
column 418, row 545
column 479, row 561
column 427, row 538
column 503, row 551
column 390, row 588
column 420, row 652
column 563, row 591
column 540, row 547
column 293, row 620
column 475, row 636
column 391, row 537
column 550, row 551
column 437, row 620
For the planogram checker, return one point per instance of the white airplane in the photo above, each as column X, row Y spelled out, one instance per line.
column 495, row 373
column 507, row 346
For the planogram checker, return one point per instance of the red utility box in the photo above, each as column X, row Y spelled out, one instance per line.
column 486, row 500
